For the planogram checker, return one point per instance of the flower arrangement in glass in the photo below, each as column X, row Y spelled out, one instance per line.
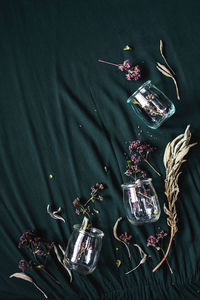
column 151, row 105
column 85, row 243
column 140, row 198
column 83, row 249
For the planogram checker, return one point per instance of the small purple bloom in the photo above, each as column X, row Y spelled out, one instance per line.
column 77, row 211
column 76, row 202
column 126, row 65
column 22, row 265
column 100, row 198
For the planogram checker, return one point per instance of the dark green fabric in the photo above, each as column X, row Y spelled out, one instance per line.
column 63, row 113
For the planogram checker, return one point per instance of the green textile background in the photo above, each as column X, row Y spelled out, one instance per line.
column 63, row 113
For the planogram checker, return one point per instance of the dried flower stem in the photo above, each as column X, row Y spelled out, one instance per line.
column 52, row 277
column 152, row 167
column 86, row 203
column 176, row 86
column 175, row 152
column 161, row 51
column 106, row 62
column 167, row 261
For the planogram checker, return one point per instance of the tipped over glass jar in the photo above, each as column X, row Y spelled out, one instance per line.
column 83, row 249
column 151, row 105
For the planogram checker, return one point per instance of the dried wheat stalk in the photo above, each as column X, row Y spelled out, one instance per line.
column 174, row 154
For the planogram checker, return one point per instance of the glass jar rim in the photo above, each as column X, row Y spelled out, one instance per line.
column 133, row 184
column 95, row 232
column 141, row 87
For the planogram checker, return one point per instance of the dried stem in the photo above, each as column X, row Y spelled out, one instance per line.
column 152, row 167
column 161, row 52
column 167, row 261
column 106, row 62
column 118, row 239
column 86, row 203
column 177, row 90
column 52, row 277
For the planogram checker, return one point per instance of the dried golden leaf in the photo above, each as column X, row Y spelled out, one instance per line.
column 127, row 47
column 24, row 276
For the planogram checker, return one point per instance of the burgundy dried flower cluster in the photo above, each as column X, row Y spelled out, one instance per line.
column 125, row 238
column 138, row 152
column 84, row 208
column 133, row 73
column 154, row 240
column 39, row 249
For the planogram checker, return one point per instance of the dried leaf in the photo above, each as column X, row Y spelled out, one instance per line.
column 61, row 262
column 142, row 261
column 24, row 276
column 167, row 154
column 164, row 69
column 161, row 52
column 127, row 47
column 164, row 72
column 118, row 263
column 117, row 238
column 54, row 214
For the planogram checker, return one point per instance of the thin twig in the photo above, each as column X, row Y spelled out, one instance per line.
column 152, row 167
column 161, row 51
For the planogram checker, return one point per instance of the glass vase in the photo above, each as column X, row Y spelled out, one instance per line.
column 83, row 250
column 141, row 202
column 151, row 105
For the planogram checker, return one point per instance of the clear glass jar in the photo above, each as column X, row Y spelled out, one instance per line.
column 141, row 202
column 83, row 250
column 151, row 105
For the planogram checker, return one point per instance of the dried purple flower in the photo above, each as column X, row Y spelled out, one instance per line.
column 22, row 265
column 134, row 73
column 125, row 238
column 76, row 202
column 139, row 152
column 85, row 208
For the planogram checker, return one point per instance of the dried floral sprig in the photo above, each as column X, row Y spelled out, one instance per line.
column 167, row 72
column 133, row 73
column 125, row 242
column 155, row 241
column 139, row 152
column 142, row 261
column 55, row 214
column 174, row 154
column 84, row 208
column 24, row 276
column 40, row 251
